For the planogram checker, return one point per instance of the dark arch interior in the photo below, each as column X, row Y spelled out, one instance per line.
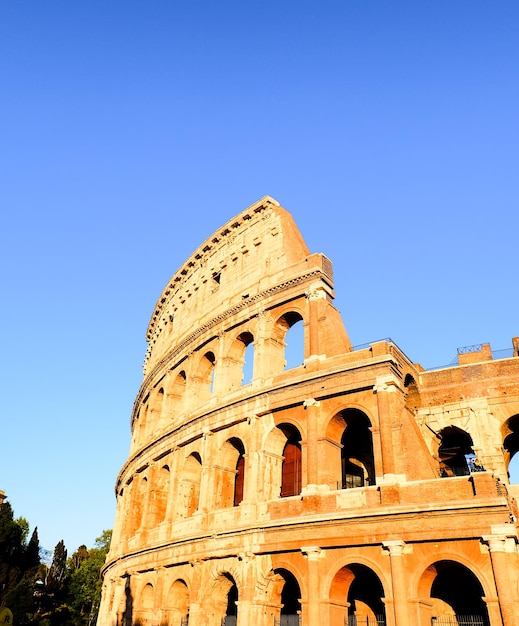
column 367, row 588
column 455, row 445
column 232, row 598
column 290, row 594
column 357, row 450
column 460, row 589
column 291, row 469
column 511, row 442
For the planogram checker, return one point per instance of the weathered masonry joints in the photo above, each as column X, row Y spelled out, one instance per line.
column 278, row 476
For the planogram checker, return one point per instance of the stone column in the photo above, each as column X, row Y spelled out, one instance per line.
column 316, row 297
column 246, row 594
column 174, row 486
column 196, row 615
column 386, row 389
column 503, row 555
column 398, row 581
column 313, row 554
column 252, row 461
column 312, row 408
column 207, row 486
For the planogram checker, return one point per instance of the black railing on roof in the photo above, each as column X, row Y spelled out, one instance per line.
column 504, row 353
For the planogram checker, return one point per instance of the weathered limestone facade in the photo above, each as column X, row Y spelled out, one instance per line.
column 343, row 490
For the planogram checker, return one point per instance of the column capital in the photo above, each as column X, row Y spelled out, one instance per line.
column 311, row 402
column 499, row 543
column 386, row 383
column 316, row 293
column 312, row 553
column 395, row 547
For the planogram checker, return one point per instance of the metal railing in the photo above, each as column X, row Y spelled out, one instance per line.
column 458, row 620
column 288, row 620
column 374, row 620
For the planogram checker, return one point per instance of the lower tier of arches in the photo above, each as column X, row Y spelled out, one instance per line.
column 389, row 584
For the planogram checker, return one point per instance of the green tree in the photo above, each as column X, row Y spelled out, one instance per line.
column 57, row 573
column 85, row 578
column 11, row 552
column 24, row 525
column 19, row 566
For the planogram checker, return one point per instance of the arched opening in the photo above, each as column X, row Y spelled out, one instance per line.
column 209, row 362
column 221, row 604
column 239, row 479
column 288, row 597
column 175, row 393
column 230, row 474
column 190, row 485
column 291, row 468
column 511, row 446
column 455, row 595
column 231, row 613
column 160, row 495
column 248, row 357
column 204, row 379
column 238, row 364
column 148, row 596
column 364, row 595
column 139, row 489
column 357, row 461
column 294, row 338
column 177, row 607
column 455, row 451
column 412, row 392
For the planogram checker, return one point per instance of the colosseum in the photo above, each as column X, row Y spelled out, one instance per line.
column 279, row 476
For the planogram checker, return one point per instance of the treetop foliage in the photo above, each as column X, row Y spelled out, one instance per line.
column 65, row 593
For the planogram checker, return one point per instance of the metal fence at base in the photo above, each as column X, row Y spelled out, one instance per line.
column 458, row 620
column 353, row 620
column 288, row 620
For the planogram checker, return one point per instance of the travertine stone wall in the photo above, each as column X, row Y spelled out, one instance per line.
column 349, row 485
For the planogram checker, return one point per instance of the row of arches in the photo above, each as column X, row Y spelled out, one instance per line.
column 208, row 476
column 447, row 591
column 222, row 365
column 211, row 476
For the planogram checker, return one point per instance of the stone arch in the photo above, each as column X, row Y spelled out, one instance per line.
column 447, row 588
column 135, row 512
column 454, row 449
column 175, row 394
column 291, row 325
column 154, row 411
column 189, row 486
column 159, row 495
column 176, row 610
column 146, row 602
column 140, row 424
column 229, row 474
column 510, row 435
column 205, row 376
column 291, row 467
column 284, row 596
column 357, row 457
column 220, row 603
column 239, row 361
column 412, row 392
column 283, row 352
column 357, row 595
column 147, row 596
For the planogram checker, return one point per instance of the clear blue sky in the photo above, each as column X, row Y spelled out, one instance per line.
column 130, row 131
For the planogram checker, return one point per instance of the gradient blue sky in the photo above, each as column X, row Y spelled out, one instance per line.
column 130, row 131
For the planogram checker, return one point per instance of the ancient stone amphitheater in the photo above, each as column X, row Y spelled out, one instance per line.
column 346, row 487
